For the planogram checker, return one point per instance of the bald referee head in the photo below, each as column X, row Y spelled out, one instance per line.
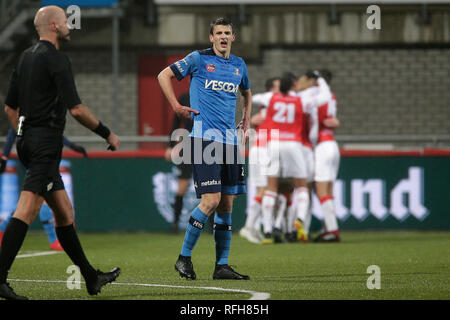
column 51, row 25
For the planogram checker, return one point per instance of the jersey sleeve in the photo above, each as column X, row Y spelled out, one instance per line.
column 332, row 110
column 12, row 98
column 323, row 96
column 262, row 99
column 245, row 82
column 185, row 66
column 61, row 71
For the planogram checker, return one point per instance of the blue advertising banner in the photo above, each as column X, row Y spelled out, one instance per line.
column 80, row 3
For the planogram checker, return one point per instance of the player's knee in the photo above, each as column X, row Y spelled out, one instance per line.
column 226, row 204
column 210, row 202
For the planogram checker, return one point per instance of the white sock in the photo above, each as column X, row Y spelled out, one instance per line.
column 281, row 208
column 253, row 213
column 302, row 203
column 291, row 215
column 307, row 222
column 329, row 216
column 268, row 204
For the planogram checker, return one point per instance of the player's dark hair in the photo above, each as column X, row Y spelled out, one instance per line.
column 310, row 74
column 326, row 74
column 269, row 83
column 286, row 82
column 220, row 22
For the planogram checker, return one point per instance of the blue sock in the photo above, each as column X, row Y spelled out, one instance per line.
column 222, row 236
column 5, row 222
column 46, row 217
column 193, row 231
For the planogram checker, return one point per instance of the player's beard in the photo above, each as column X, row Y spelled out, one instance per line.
column 63, row 38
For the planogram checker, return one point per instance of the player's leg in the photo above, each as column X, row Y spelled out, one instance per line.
column 197, row 221
column 24, row 215
column 309, row 161
column 268, row 207
column 48, row 223
column 222, row 228
column 296, row 168
column 233, row 183
column 275, row 151
column 308, row 218
column 207, row 183
column 183, row 185
column 327, row 205
column 327, row 163
column 63, row 211
column 3, row 223
column 291, row 215
column 302, row 202
column 251, row 229
column 281, row 205
column 222, row 238
column 257, row 177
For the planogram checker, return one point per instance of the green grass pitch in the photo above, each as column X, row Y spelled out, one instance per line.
column 413, row 265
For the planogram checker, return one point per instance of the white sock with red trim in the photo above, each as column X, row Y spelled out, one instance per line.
column 281, row 208
column 329, row 215
column 253, row 214
column 302, row 202
column 291, row 215
column 268, row 204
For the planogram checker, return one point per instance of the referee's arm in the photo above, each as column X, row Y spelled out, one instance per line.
column 84, row 116
column 13, row 116
column 12, row 101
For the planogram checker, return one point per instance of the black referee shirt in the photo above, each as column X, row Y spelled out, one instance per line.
column 42, row 86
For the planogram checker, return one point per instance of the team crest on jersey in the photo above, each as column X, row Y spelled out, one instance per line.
column 236, row 72
column 211, row 67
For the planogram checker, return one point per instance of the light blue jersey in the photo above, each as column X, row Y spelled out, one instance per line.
column 215, row 83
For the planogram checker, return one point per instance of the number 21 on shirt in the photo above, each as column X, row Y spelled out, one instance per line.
column 285, row 112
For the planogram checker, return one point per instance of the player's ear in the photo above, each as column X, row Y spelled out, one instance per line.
column 233, row 37
column 211, row 38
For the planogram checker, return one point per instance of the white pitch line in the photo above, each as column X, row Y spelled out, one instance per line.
column 254, row 295
column 37, row 254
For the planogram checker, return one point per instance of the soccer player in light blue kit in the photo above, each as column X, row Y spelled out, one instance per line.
column 216, row 78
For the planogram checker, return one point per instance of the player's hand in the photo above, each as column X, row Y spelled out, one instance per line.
column 2, row 165
column 185, row 112
column 79, row 149
column 244, row 127
column 331, row 122
column 113, row 141
column 168, row 154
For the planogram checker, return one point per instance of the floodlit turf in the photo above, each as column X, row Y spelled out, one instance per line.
column 413, row 265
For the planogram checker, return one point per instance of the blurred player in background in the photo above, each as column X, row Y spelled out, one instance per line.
column 285, row 118
column 45, row 214
column 257, row 162
column 184, row 170
column 216, row 78
column 318, row 94
column 326, row 157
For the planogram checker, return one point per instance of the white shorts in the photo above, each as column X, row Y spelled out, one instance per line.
column 308, row 156
column 326, row 156
column 257, row 163
column 286, row 160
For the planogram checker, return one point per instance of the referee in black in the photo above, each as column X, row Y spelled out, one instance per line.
column 42, row 88
column 184, row 170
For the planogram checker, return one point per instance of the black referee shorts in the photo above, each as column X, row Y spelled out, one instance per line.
column 40, row 151
column 184, row 171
